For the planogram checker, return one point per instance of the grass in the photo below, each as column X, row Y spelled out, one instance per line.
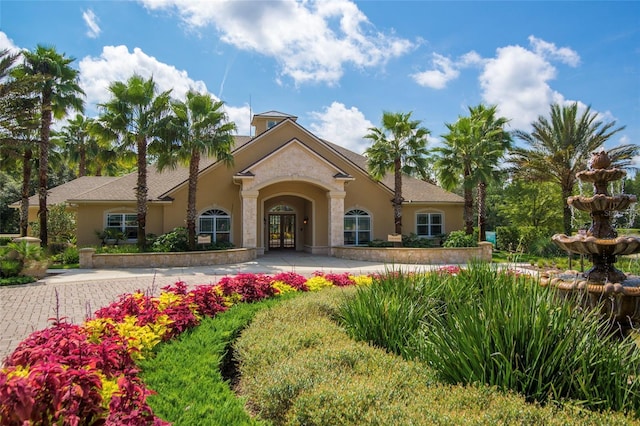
column 186, row 372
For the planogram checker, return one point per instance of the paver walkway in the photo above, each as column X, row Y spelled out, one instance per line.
column 76, row 294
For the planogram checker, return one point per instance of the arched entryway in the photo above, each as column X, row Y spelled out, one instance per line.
column 288, row 219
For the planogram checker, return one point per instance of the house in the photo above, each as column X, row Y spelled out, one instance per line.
column 287, row 189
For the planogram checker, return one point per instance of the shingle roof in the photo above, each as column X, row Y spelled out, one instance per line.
column 160, row 184
column 72, row 189
column 413, row 190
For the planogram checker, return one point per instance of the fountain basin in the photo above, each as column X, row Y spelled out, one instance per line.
column 601, row 175
column 602, row 202
column 618, row 301
column 586, row 244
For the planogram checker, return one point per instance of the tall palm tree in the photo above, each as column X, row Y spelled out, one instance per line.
column 134, row 116
column 199, row 126
column 399, row 146
column 469, row 156
column 560, row 146
column 454, row 163
column 58, row 90
column 493, row 142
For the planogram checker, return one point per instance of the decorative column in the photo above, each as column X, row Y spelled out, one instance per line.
column 336, row 219
column 249, row 218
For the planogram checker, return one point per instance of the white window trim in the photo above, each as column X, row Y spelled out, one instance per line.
column 213, row 234
column 121, row 212
column 369, row 215
column 430, row 212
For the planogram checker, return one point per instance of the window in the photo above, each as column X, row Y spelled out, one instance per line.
column 357, row 227
column 429, row 224
column 216, row 223
column 271, row 123
column 127, row 223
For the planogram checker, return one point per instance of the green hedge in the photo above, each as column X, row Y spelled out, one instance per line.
column 298, row 367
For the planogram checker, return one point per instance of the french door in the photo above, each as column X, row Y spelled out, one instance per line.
column 282, row 231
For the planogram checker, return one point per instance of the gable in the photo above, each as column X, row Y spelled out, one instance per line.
column 293, row 161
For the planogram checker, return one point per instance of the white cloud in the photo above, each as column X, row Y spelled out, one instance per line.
column 311, row 41
column 241, row 116
column 117, row 63
column 343, row 126
column 518, row 80
column 549, row 50
column 7, row 43
column 90, row 18
column 445, row 70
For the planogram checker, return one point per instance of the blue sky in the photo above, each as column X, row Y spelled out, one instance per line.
column 338, row 65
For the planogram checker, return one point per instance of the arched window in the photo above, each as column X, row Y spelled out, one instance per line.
column 357, row 227
column 429, row 224
column 216, row 223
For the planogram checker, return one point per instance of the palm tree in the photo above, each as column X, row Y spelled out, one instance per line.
column 133, row 116
column 199, row 127
column 493, row 141
column 58, row 89
column 399, row 146
column 76, row 141
column 454, row 163
column 471, row 152
column 561, row 146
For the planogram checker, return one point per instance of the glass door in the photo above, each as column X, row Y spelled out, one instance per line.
column 282, row 231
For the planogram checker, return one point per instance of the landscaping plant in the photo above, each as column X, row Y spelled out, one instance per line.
column 87, row 374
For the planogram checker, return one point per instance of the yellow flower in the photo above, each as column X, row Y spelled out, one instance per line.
column 362, row 279
column 318, row 283
column 282, row 287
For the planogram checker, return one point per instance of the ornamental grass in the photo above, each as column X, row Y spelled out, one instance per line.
column 481, row 325
column 299, row 366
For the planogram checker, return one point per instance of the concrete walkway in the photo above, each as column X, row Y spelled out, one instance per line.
column 76, row 294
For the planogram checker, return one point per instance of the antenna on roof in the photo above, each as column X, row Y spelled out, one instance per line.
column 249, row 115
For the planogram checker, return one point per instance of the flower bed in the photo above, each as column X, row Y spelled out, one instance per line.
column 87, row 374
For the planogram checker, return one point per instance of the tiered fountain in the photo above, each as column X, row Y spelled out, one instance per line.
column 601, row 243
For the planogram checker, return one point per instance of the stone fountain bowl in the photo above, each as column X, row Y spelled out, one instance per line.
column 601, row 175
column 602, row 202
column 585, row 244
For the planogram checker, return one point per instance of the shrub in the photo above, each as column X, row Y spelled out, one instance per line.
column 5, row 240
column 70, row 256
column 174, row 241
column 379, row 243
column 298, row 367
column 460, row 239
column 414, row 241
column 10, row 268
column 480, row 325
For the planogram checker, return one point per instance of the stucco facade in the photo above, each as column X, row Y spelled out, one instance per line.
column 287, row 189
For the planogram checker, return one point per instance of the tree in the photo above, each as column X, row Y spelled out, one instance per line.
column 561, row 145
column 199, row 126
column 58, row 91
column 77, row 141
column 19, row 122
column 469, row 157
column 493, row 141
column 134, row 116
column 454, row 164
column 399, row 146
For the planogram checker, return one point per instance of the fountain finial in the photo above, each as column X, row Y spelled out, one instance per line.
column 599, row 160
